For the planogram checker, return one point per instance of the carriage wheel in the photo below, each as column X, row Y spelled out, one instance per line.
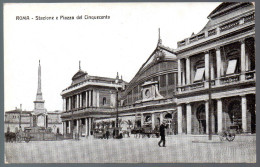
column 222, row 136
column 27, row 139
column 231, row 136
column 18, row 138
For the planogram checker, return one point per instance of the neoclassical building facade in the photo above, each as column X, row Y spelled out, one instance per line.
column 221, row 57
column 211, row 71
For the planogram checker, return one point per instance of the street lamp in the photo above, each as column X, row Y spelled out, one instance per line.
column 117, row 127
column 210, row 100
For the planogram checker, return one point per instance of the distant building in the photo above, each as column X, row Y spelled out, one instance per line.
column 38, row 117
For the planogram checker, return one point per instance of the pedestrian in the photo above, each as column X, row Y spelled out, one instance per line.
column 107, row 133
column 162, row 134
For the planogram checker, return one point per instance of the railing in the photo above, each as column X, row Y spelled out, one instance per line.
column 88, row 109
column 212, row 32
column 250, row 75
column 249, row 18
column 223, row 28
column 197, row 85
column 230, row 79
column 225, row 80
column 193, row 86
column 229, row 26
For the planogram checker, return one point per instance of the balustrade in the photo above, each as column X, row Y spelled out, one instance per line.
column 197, row 85
column 229, row 25
column 250, row 75
column 223, row 28
column 230, row 79
column 212, row 32
column 249, row 18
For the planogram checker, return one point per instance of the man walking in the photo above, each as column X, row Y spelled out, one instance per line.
column 162, row 133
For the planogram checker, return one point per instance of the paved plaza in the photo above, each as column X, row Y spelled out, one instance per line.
column 180, row 149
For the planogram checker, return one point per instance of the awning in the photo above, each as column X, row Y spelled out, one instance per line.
column 232, row 64
column 199, row 74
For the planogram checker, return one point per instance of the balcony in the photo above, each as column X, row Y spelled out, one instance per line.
column 222, row 29
column 250, row 75
column 223, row 81
column 88, row 110
column 230, row 79
column 199, row 85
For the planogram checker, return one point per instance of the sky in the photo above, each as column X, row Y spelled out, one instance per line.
column 104, row 46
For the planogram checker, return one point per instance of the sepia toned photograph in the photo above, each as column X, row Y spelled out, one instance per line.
column 129, row 82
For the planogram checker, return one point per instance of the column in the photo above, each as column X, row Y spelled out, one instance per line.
column 86, row 129
column 80, row 100
column 179, row 112
column 179, row 74
column 94, row 98
column 142, row 119
column 244, row 109
column 97, row 98
column 206, row 68
column 218, row 57
column 89, row 126
column 69, row 126
column 64, row 104
column 188, row 118
column 91, row 97
column 77, row 126
column 188, row 71
column 69, row 103
column 87, row 99
column 63, row 124
column 207, row 116
column 77, row 101
column 161, row 118
column 153, row 121
column 219, row 108
column 243, row 60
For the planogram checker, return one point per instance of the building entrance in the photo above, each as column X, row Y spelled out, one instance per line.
column 201, row 116
column 235, row 113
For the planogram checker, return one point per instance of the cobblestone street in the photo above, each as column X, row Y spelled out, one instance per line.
column 180, row 149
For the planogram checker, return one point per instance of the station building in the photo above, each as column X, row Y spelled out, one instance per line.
column 175, row 85
column 220, row 56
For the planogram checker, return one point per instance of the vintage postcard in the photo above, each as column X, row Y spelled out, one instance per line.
column 130, row 82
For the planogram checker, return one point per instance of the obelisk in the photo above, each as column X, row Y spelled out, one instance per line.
column 39, row 102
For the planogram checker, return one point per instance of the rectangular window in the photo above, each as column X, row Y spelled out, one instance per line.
column 232, row 64
column 199, row 74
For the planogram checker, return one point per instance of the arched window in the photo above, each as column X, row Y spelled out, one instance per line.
column 168, row 116
column 104, row 101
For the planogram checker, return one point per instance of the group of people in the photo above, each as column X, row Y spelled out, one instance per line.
column 119, row 134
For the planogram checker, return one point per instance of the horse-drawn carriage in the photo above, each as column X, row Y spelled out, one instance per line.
column 32, row 133
column 18, row 136
column 10, row 136
column 144, row 131
column 23, row 136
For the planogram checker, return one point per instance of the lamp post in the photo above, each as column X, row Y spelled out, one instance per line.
column 117, row 127
column 210, row 100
